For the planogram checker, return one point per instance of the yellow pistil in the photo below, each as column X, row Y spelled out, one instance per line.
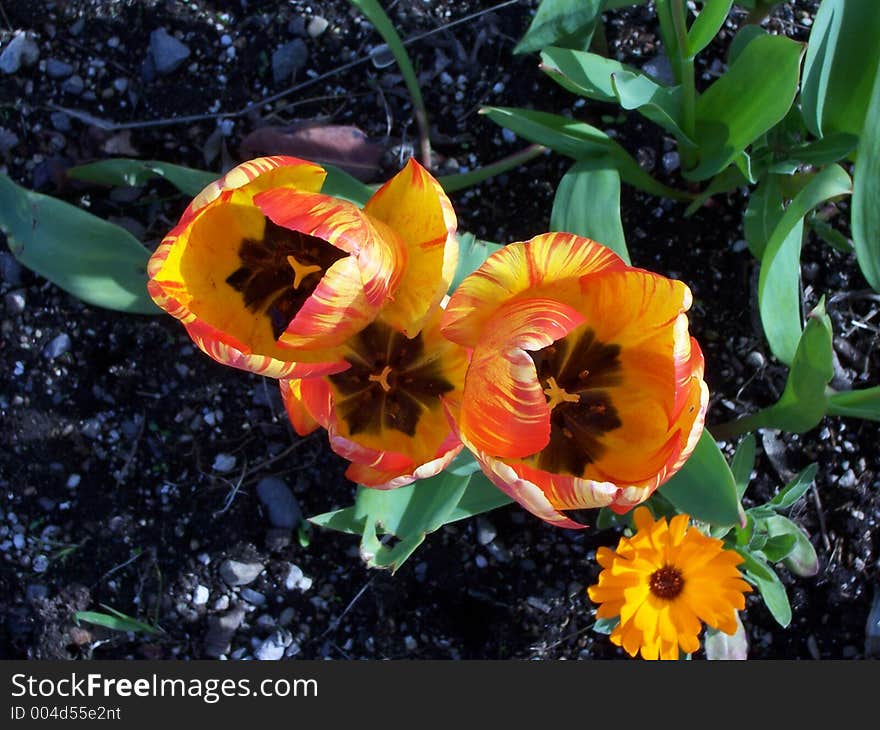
column 556, row 395
column 301, row 271
column 382, row 378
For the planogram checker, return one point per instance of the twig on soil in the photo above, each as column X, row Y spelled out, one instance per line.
column 117, row 568
column 120, row 475
column 271, row 460
column 5, row 17
column 334, row 624
column 230, row 497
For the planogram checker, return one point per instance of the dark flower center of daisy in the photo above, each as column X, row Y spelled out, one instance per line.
column 390, row 383
column 280, row 271
column 575, row 373
column 666, row 582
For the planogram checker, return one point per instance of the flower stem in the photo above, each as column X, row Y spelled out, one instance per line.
column 688, row 86
column 460, row 181
column 738, row 426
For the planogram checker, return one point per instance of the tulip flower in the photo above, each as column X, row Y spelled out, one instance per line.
column 387, row 412
column 585, row 389
column 269, row 275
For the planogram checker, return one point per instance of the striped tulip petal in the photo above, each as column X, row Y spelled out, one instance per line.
column 386, row 412
column 413, row 204
column 271, row 276
column 601, row 409
column 549, row 264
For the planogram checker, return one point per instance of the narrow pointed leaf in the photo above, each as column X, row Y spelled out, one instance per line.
column 795, row 489
column 125, row 171
column 866, row 193
column 840, row 66
column 770, row 587
column 779, row 282
column 863, row 403
column 743, row 463
column 707, row 24
column 587, row 203
column 580, row 141
column 96, row 261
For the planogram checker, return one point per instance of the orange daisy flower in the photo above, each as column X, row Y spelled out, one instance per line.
column 663, row 582
column 585, row 389
column 269, row 275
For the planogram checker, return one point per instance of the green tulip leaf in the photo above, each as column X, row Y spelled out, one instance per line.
column 705, row 487
column 587, row 203
column 125, row 171
column 561, row 22
column 745, row 102
column 866, row 193
column 707, row 24
column 580, row 141
column 743, row 37
column 472, row 252
column 779, row 282
column 341, row 184
column 763, row 213
column 96, row 261
column 863, row 403
column 841, row 66
column 412, row 512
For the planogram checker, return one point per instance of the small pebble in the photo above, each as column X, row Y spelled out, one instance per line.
column 74, row 85
column 253, row 597
column 223, row 463
column 20, row 51
column 201, row 595
column 59, row 345
column 40, row 564
column 15, row 302
column 56, row 69
column 238, row 573
column 317, row 25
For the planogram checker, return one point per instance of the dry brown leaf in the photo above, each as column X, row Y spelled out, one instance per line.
column 344, row 146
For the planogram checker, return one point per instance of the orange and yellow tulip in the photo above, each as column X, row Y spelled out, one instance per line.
column 269, row 275
column 386, row 413
column 585, row 388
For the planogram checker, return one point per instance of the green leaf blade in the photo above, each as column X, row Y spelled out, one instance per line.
column 98, row 262
column 866, row 193
column 587, row 203
column 705, row 487
column 745, row 102
column 560, row 20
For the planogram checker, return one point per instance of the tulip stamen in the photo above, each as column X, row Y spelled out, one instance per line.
column 382, row 378
column 556, row 394
column 301, row 270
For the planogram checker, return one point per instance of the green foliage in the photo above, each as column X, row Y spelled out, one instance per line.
column 779, row 283
column 705, row 487
column 472, row 252
column 766, row 538
column 96, row 261
column 866, row 193
column 125, row 171
column 841, row 65
column 561, row 22
column 580, row 141
column 745, row 102
column 116, row 620
column 408, row 514
column 863, row 403
column 587, row 203
column 708, row 23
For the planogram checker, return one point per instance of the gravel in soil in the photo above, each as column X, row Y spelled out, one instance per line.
column 138, row 474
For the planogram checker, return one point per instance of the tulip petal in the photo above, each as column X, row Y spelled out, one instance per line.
column 254, row 176
column 504, row 408
column 379, row 251
column 303, row 421
column 548, row 265
column 413, row 204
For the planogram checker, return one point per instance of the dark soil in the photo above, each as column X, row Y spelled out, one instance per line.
column 110, row 495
